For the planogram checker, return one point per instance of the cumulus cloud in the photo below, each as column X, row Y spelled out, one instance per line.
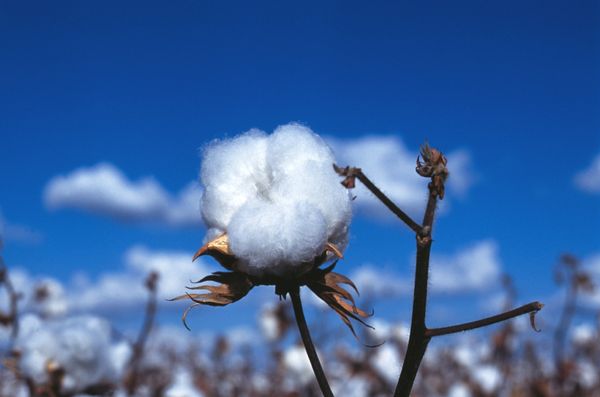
column 391, row 165
column 118, row 290
column 103, row 189
column 588, row 180
column 472, row 269
column 371, row 281
column 124, row 288
column 82, row 346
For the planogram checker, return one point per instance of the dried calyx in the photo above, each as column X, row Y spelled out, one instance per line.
column 234, row 284
column 433, row 166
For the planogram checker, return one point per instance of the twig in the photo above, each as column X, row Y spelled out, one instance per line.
column 352, row 172
column 131, row 381
column 308, row 344
column 434, row 167
column 532, row 307
column 12, row 318
column 578, row 281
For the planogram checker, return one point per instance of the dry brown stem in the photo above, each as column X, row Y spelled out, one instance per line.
column 10, row 319
column 308, row 344
column 430, row 164
column 131, row 380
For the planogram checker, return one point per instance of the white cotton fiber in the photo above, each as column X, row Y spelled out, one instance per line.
column 79, row 345
column 277, row 197
column 232, row 172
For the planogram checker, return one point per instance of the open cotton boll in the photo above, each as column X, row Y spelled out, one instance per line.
column 277, row 197
column 277, row 238
column 291, row 146
column 233, row 171
column 314, row 184
column 79, row 345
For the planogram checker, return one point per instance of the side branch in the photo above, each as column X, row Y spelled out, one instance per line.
column 308, row 344
column 11, row 319
column 532, row 308
column 351, row 173
column 132, row 378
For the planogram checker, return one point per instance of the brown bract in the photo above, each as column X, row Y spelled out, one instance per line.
column 234, row 284
column 434, row 167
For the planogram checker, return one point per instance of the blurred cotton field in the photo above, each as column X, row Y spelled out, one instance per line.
column 85, row 355
column 279, row 201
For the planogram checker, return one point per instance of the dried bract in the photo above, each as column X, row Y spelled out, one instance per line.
column 434, row 167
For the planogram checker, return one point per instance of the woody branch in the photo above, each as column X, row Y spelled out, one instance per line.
column 433, row 166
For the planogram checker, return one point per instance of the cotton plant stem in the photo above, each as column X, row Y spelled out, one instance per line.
column 563, row 324
column 532, row 307
column 308, row 344
column 434, row 167
column 354, row 172
column 387, row 202
column 132, row 380
column 418, row 339
column 12, row 318
column 14, row 301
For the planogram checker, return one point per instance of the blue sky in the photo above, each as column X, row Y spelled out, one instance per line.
column 513, row 88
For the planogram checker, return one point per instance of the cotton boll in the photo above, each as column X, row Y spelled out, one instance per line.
column 277, row 197
column 489, row 377
column 291, row 146
column 276, row 239
column 79, row 345
column 318, row 185
column 212, row 234
column 387, row 362
column 269, row 324
column 120, row 354
column 183, row 385
column 297, row 363
column 233, row 171
column 50, row 299
column 459, row 390
column 301, row 166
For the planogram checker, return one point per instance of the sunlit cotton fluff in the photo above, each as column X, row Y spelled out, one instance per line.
column 82, row 346
column 277, row 197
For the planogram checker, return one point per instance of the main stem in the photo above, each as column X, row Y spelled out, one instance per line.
column 418, row 339
column 308, row 344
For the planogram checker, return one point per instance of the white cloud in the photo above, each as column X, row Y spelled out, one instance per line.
column 472, row 269
column 117, row 290
column 588, row 180
column 373, row 282
column 104, row 189
column 124, row 288
column 391, row 166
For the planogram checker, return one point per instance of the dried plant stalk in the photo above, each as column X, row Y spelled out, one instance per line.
column 430, row 164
